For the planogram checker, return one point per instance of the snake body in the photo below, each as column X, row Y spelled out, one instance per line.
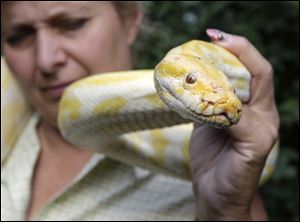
column 97, row 108
column 145, row 117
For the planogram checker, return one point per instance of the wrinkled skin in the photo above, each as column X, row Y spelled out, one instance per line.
column 225, row 175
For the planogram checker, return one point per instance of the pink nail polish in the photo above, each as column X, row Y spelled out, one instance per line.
column 215, row 34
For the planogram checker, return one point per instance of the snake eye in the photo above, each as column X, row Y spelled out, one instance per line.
column 191, row 78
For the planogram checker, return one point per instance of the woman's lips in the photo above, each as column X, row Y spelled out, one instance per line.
column 56, row 91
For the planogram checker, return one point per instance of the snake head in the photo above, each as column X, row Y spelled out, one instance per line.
column 197, row 90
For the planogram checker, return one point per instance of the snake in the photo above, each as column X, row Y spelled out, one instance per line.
column 145, row 117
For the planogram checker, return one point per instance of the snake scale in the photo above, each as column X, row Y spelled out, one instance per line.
column 145, row 117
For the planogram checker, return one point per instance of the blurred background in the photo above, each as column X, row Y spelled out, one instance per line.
column 273, row 28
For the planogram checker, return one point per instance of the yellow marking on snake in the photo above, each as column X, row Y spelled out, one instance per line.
column 159, row 144
column 113, row 78
column 155, row 100
column 6, row 83
column 71, row 110
column 186, row 154
column 241, row 83
column 233, row 63
column 179, row 91
column 112, row 105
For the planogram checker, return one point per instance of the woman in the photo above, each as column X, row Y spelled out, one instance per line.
column 49, row 45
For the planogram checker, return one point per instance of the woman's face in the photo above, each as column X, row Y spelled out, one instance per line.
column 49, row 45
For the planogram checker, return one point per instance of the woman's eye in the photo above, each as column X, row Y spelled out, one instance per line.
column 19, row 37
column 72, row 24
column 14, row 39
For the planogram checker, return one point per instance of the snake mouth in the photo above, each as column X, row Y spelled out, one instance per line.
column 220, row 120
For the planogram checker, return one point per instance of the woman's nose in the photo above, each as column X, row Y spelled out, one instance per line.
column 50, row 55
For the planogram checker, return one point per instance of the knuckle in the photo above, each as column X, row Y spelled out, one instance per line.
column 276, row 124
column 244, row 42
column 266, row 70
column 269, row 68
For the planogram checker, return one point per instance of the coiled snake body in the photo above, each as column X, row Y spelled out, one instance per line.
column 129, row 115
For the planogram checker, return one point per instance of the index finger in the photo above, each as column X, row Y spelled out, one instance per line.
column 262, row 91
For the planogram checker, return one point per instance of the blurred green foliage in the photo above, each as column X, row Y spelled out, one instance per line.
column 274, row 29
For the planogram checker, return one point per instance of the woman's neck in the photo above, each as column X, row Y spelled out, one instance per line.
column 51, row 137
column 58, row 164
column 52, row 142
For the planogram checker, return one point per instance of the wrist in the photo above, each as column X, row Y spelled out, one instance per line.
column 229, row 213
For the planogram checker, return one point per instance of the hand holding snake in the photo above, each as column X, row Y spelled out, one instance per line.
column 225, row 175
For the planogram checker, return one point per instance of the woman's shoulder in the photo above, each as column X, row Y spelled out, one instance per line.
column 26, row 144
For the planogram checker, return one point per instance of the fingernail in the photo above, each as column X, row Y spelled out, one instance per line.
column 215, row 34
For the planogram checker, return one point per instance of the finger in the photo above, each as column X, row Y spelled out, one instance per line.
column 262, row 92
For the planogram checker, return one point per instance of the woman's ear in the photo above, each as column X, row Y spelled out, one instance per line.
column 132, row 24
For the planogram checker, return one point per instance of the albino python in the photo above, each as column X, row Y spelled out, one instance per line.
column 129, row 115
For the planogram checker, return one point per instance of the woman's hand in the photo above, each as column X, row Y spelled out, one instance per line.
column 227, row 164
